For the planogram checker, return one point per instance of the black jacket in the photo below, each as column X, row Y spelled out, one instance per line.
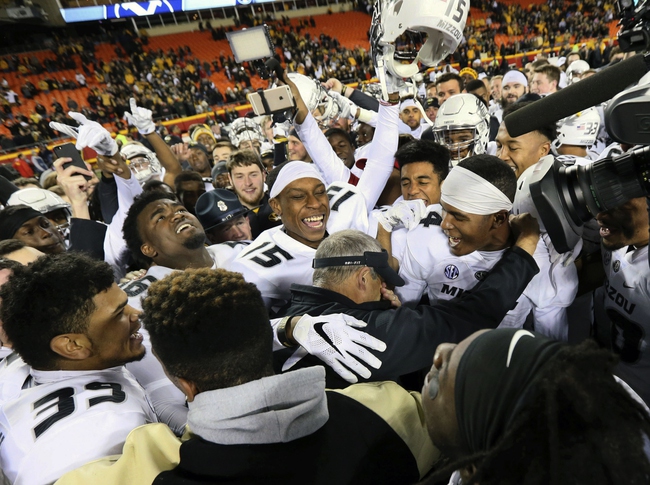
column 412, row 334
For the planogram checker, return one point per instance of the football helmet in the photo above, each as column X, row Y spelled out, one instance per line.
column 575, row 71
column 143, row 162
column 323, row 106
column 463, row 126
column 442, row 21
column 580, row 129
column 245, row 129
column 47, row 203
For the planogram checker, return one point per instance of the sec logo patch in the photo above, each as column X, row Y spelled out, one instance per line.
column 451, row 272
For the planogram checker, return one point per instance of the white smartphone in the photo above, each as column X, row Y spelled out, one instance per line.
column 278, row 99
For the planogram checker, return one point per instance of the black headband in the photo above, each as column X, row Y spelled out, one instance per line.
column 9, row 224
column 376, row 260
column 494, row 377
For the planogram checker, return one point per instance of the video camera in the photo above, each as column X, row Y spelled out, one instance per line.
column 567, row 197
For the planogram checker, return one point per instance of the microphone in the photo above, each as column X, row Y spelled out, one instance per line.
column 586, row 93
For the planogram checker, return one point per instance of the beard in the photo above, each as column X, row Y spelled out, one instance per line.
column 195, row 242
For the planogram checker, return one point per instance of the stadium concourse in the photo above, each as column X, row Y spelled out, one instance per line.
column 358, row 288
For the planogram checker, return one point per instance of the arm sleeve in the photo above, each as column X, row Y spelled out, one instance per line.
column 321, row 152
column 415, row 333
column 107, row 190
column 88, row 236
column 114, row 245
column 365, row 101
column 381, row 156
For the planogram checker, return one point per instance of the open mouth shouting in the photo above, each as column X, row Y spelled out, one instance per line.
column 183, row 227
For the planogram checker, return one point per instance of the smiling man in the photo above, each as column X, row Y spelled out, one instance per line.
column 513, row 86
column 450, row 253
column 248, row 177
column 411, row 116
column 283, row 255
column 71, row 381
column 423, row 165
column 525, row 150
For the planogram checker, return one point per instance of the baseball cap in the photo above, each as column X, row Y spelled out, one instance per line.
column 218, row 206
column 431, row 103
column 219, row 168
column 374, row 259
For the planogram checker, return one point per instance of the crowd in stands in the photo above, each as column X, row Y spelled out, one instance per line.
column 359, row 289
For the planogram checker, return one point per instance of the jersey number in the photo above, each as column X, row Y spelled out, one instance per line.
column 432, row 218
column 271, row 255
column 134, row 288
column 628, row 338
column 64, row 401
column 333, row 192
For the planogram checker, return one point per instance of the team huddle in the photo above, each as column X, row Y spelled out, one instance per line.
column 266, row 309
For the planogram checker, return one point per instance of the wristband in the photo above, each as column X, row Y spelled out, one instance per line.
column 281, row 332
column 343, row 89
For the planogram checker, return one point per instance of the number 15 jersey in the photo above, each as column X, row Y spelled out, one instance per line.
column 67, row 419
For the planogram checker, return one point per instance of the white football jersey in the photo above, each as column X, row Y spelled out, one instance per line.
column 275, row 260
column 61, row 420
column 167, row 400
column 429, row 264
column 627, row 304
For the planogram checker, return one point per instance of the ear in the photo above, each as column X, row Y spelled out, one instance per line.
column 275, row 205
column 545, row 149
column 72, row 346
column 500, row 218
column 148, row 251
column 188, row 388
column 362, row 277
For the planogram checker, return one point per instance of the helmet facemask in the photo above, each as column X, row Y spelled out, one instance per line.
column 460, row 141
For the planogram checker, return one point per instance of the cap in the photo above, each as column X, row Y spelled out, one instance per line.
column 431, row 103
column 219, row 168
column 201, row 147
column 376, row 260
column 218, row 206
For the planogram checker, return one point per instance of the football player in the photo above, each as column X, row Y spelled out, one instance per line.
column 577, row 134
column 70, row 400
column 450, row 253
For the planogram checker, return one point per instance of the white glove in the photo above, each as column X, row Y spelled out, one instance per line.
column 347, row 109
column 335, row 341
column 89, row 134
column 406, row 213
column 141, row 118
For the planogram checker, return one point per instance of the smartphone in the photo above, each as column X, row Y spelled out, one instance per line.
column 278, row 99
column 70, row 151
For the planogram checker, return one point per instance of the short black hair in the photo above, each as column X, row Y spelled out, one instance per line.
column 50, row 297
column 451, row 76
column 549, row 131
column 209, row 327
column 494, row 170
column 186, row 176
column 339, row 131
column 155, row 184
column 130, row 230
column 425, row 151
column 9, row 246
column 474, row 84
column 273, row 175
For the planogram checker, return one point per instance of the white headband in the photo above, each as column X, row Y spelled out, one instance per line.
column 406, row 103
column 515, row 76
column 293, row 171
column 471, row 193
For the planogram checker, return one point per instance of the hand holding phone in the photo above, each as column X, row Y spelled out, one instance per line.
column 68, row 150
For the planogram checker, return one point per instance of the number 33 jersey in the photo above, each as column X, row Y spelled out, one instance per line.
column 66, row 419
column 627, row 304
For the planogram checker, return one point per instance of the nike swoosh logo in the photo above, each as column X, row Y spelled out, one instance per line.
column 519, row 334
column 318, row 328
column 629, row 287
